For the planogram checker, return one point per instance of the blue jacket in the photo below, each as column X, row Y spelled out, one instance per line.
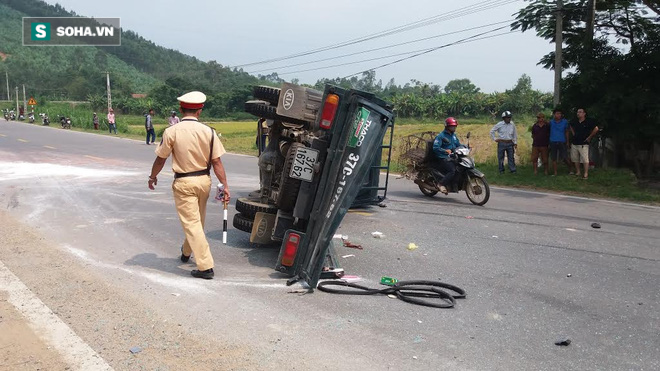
column 445, row 140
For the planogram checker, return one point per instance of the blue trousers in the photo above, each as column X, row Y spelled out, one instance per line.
column 151, row 133
column 507, row 148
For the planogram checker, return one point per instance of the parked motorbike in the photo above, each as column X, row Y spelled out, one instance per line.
column 31, row 117
column 66, row 122
column 467, row 177
column 12, row 115
column 21, row 117
column 45, row 121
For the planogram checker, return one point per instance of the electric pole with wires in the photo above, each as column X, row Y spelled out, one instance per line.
column 558, row 53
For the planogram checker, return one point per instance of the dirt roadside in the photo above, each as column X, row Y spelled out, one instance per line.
column 20, row 347
column 109, row 321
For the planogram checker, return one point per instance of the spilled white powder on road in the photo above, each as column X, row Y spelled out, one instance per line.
column 31, row 170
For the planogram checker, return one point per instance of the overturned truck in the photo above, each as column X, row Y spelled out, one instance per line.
column 322, row 154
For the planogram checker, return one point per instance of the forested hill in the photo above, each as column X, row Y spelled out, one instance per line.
column 76, row 73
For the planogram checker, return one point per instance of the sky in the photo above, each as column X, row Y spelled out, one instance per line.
column 234, row 33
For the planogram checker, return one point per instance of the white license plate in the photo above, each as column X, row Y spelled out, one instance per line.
column 303, row 164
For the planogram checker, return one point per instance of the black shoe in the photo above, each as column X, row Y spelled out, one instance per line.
column 184, row 258
column 207, row 274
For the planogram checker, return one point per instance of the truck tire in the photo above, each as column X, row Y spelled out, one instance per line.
column 289, row 187
column 250, row 208
column 243, row 223
column 267, row 93
column 262, row 109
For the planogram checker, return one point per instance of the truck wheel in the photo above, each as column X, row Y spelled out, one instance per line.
column 267, row 93
column 243, row 223
column 250, row 208
column 261, row 108
column 289, row 187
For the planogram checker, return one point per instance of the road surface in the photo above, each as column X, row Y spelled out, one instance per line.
column 88, row 240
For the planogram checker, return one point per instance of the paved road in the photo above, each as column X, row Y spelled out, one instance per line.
column 534, row 269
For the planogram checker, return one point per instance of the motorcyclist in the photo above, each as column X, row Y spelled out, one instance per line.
column 443, row 145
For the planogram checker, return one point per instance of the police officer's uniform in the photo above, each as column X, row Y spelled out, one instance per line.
column 193, row 145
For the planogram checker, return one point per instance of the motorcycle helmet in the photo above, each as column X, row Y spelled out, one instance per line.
column 506, row 114
column 451, row 122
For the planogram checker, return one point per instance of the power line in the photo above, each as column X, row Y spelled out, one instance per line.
column 463, row 41
column 475, row 8
column 419, row 52
column 381, row 48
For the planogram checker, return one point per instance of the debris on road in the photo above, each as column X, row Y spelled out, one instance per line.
column 340, row 237
column 377, row 234
column 563, row 342
column 412, row 246
column 569, row 275
column 348, row 256
column 176, row 294
column 348, row 243
column 571, row 229
column 595, row 225
column 469, row 217
column 391, row 296
column 351, row 278
column 495, row 237
column 135, row 350
column 389, row 281
column 382, row 205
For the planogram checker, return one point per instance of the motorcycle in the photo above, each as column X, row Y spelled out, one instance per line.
column 467, row 177
column 66, row 122
column 12, row 115
column 44, row 119
column 31, row 117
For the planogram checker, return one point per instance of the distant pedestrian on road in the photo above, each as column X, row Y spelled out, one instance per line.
column 148, row 124
column 173, row 119
column 112, row 125
column 540, row 143
column 507, row 141
column 95, row 121
column 559, row 139
column 583, row 130
column 195, row 149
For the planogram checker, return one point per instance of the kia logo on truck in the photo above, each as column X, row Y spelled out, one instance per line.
column 287, row 101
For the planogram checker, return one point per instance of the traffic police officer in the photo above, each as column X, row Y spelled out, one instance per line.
column 195, row 149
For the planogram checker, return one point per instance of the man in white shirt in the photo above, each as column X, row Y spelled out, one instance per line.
column 173, row 119
column 507, row 141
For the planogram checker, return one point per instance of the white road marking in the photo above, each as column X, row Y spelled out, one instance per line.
column 22, row 140
column 48, row 326
column 49, row 147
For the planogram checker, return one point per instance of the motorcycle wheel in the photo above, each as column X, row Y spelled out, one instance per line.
column 477, row 190
column 427, row 192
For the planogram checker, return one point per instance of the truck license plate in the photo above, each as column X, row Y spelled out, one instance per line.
column 303, row 164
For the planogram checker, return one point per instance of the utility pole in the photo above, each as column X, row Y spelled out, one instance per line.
column 24, row 101
column 107, row 75
column 558, row 50
column 589, row 31
column 8, row 94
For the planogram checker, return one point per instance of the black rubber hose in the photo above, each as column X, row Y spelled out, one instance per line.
column 409, row 291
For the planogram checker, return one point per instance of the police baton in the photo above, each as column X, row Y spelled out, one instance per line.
column 220, row 195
